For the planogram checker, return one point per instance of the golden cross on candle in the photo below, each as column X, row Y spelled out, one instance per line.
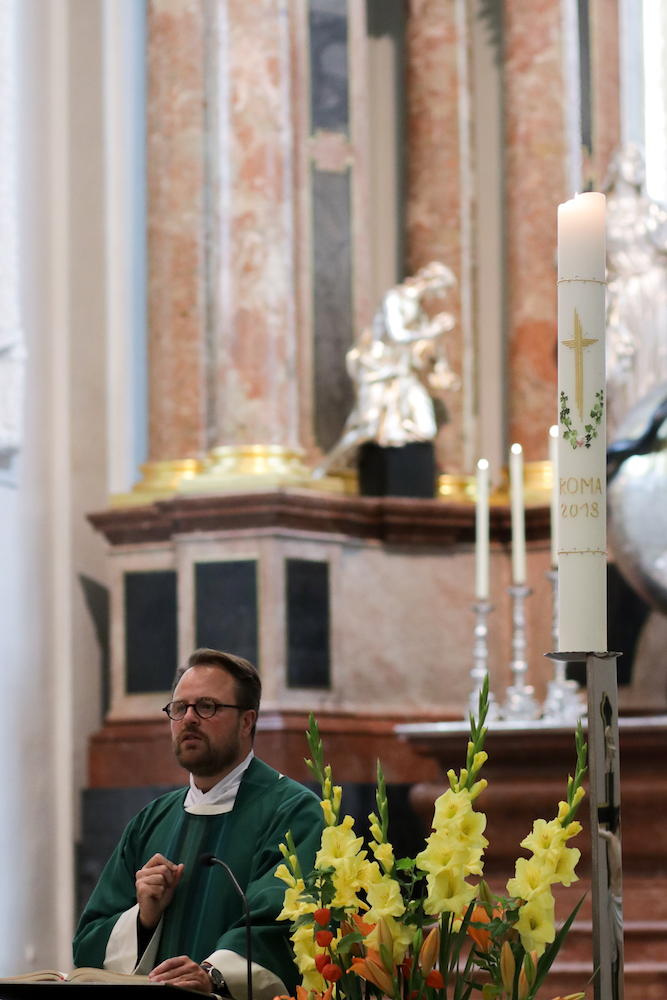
column 577, row 346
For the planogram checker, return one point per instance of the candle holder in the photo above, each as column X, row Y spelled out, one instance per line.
column 520, row 704
column 564, row 702
column 480, row 656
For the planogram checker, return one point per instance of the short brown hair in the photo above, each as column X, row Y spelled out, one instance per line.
column 247, row 683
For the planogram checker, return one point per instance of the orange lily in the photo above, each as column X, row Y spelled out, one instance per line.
column 481, row 937
column 372, row 969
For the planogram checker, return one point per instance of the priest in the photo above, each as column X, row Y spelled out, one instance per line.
column 156, row 909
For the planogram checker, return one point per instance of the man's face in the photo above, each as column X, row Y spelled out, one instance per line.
column 210, row 747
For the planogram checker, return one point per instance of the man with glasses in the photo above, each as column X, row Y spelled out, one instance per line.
column 156, row 909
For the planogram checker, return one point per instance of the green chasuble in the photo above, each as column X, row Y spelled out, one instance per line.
column 206, row 913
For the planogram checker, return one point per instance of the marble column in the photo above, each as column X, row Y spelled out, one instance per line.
column 256, row 390
column 433, row 181
column 176, row 229
column 535, row 184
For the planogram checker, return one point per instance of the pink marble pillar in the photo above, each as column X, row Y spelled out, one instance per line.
column 176, row 198
column 433, row 197
column 606, row 88
column 535, row 184
column 256, row 390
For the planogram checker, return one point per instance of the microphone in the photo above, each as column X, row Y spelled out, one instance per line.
column 208, row 860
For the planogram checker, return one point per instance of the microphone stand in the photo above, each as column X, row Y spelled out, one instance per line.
column 208, row 860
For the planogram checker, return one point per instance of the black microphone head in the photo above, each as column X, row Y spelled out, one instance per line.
column 208, row 860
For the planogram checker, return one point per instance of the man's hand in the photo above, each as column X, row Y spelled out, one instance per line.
column 156, row 884
column 182, row 971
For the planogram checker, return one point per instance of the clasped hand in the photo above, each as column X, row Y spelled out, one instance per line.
column 156, row 884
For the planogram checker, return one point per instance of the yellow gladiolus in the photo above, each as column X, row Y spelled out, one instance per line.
column 385, row 899
column 544, row 837
column 329, row 814
column 448, row 892
column 304, row 956
column 338, row 842
column 531, row 879
column 536, row 923
column 384, row 853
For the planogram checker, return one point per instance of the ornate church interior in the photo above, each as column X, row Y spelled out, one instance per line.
column 279, row 286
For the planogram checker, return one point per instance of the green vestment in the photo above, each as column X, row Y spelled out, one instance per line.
column 206, row 913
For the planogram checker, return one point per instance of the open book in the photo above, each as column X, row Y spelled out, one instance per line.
column 78, row 976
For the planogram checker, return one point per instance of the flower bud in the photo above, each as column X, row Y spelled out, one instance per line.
column 430, row 951
column 435, row 980
column 283, row 850
column 530, row 967
column 523, row 987
column 479, row 760
column 376, row 833
column 322, row 916
column 507, row 967
column 332, row 972
column 337, row 796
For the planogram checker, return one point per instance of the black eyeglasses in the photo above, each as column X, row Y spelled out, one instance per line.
column 204, row 707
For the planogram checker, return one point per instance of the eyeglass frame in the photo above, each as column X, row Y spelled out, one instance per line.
column 193, row 704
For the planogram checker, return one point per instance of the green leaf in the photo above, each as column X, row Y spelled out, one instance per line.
column 346, row 942
column 305, row 920
column 405, row 864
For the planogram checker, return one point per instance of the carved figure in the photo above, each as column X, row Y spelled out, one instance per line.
column 636, row 285
column 398, row 365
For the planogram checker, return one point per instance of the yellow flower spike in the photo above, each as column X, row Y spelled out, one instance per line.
column 429, row 951
column 507, row 967
column 523, row 986
column 536, row 923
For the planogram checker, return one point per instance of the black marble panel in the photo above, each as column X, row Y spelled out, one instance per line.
column 332, row 303
column 150, row 631
column 226, row 607
column 329, row 100
column 308, row 627
column 397, row 472
column 105, row 812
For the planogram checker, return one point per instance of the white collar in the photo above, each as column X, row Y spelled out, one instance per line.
column 220, row 798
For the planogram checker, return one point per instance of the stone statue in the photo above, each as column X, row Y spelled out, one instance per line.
column 398, row 365
column 636, row 285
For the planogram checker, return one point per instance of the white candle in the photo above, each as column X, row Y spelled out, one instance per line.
column 582, row 541
column 553, row 458
column 482, row 532
column 518, row 516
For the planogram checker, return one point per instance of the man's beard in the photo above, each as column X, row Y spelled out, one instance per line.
column 204, row 760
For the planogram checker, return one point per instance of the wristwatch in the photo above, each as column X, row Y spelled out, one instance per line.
column 217, row 980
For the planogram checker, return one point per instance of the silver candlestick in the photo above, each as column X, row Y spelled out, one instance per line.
column 564, row 703
column 480, row 656
column 520, row 704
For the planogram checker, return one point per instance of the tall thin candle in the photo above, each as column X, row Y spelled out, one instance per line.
column 582, row 536
column 482, row 532
column 518, row 516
